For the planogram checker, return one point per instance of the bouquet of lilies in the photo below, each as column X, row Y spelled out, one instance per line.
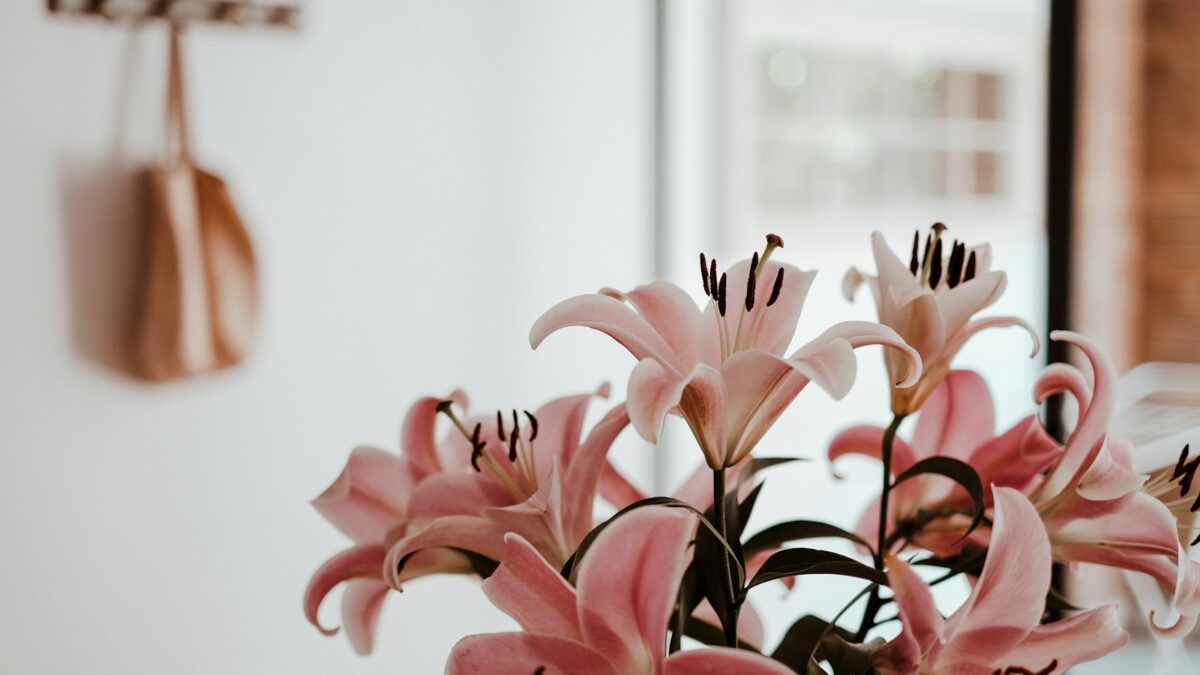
column 664, row 585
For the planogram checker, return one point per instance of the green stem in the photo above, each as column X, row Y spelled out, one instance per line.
column 873, row 602
column 728, row 619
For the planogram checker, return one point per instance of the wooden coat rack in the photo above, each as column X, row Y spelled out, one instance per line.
column 183, row 11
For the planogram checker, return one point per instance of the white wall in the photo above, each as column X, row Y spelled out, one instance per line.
column 421, row 178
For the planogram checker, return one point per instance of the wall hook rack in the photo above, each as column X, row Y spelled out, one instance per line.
column 183, row 11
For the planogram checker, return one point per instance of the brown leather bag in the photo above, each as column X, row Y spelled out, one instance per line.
column 199, row 296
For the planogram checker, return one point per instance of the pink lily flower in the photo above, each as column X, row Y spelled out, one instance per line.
column 997, row 628
column 958, row 421
column 437, row 496
column 722, row 369
column 1098, row 510
column 544, row 489
column 931, row 302
column 612, row 622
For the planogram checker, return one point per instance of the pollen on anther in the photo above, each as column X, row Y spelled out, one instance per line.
column 533, row 426
column 776, row 288
column 935, row 265
column 477, row 446
column 721, row 294
column 704, row 274
column 957, row 255
column 913, row 263
column 712, row 278
column 513, row 438
column 500, row 426
column 969, row 274
column 751, row 283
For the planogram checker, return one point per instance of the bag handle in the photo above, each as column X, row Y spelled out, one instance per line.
column 177, row 137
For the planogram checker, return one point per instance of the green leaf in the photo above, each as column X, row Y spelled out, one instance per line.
column 796, row 648
column 805, row 561
column 569, row 569
column 794, row 530
column 846, row 658
column 956, row 470
column 756, row 464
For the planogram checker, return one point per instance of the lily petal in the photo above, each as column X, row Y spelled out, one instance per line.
column 361, row 602
column 1060, row 377
column 924, row 627
column 1069, row 642
column 673, row 314
column 654, row 392
column 1084, row 442
column 627, row 585
column 959, row 304
column 417, row 433
column 529, row 590
column 524, row 654
column 363, row 562
column 1109, row 478
column 469, row 533
column 957, row 417
column 446, row 494
column 1007, row 602
column 590, row 471
column 1139, row 536
column 560, row 424
column 369, row 497
column 607, row 315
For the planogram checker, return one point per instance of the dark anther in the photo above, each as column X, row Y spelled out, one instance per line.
column 512, row 440
column 500, row 426
column 540, row 670
column 776, row 288
column 774, row 240
column 935, row 265
column 913, row 263
column 712, row 278
column 704, row 274
column 721, row 295
column 969, row 274
column 1180, row 465
column 1185, row 471
column 476, row 447
column 958, row 256
column 928, row 250
column 1018, row 670
column 533, row 426
column 751, row 282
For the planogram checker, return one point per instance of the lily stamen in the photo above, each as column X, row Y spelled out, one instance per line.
column 1173, row 487
column 757, row 265
column 477, row 451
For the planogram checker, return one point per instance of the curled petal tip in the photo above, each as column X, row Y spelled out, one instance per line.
column 604, row 390
column 915, row 368
column 1182, row 626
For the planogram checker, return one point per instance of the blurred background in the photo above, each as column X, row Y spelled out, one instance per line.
column 422, row 179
